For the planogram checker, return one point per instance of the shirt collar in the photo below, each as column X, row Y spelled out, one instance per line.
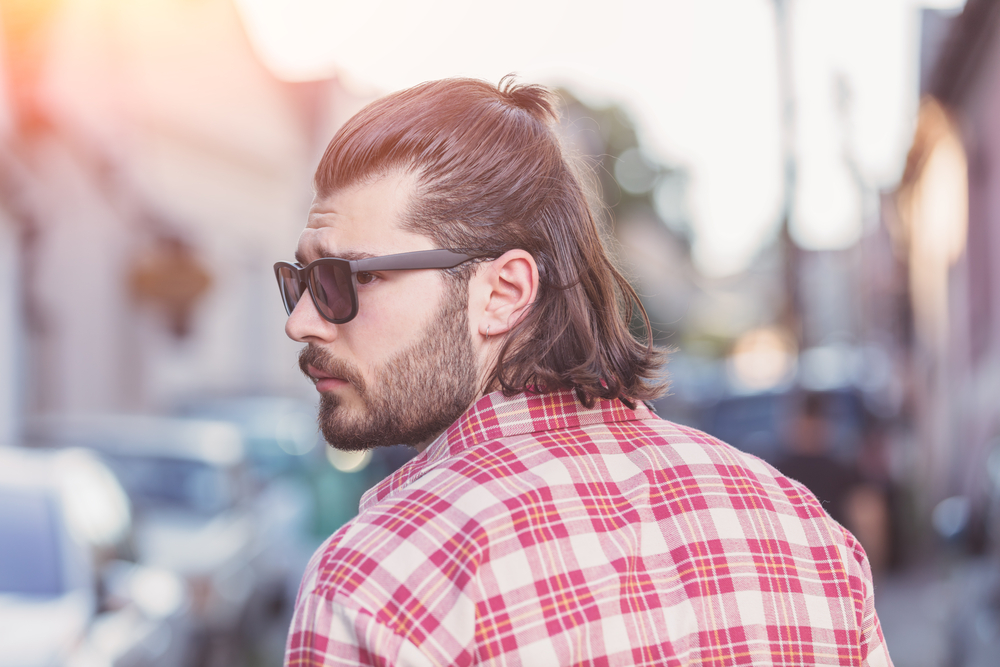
column 497, row 416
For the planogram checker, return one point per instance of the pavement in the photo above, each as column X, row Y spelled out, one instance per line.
column 944, row 613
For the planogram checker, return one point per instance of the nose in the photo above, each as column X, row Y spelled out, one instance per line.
column 306, row 325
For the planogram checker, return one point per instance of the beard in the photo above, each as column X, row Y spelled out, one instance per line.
column 415, row 395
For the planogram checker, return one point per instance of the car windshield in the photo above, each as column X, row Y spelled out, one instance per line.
column 154, row 482
column 30, row 563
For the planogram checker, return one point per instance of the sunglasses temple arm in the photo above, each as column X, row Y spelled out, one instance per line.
column 421, row 259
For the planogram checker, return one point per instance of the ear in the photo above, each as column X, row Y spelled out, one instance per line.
column 501, row 293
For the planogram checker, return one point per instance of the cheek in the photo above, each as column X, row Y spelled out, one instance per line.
column 394, row 315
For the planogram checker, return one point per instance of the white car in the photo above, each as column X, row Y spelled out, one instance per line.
column 62, row 517
column 194, row 504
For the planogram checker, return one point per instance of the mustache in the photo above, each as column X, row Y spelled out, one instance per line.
column 323, row 361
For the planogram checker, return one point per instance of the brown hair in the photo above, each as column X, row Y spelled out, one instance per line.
column 492, row 177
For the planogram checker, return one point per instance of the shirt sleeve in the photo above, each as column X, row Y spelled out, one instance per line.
column 327, row 634
column 876, row 654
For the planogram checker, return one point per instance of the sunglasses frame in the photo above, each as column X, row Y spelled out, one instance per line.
column 404, row 261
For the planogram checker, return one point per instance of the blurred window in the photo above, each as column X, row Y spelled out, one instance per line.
column 160, row 481
column 30, row 563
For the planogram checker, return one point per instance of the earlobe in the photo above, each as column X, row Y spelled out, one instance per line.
column 510, row 286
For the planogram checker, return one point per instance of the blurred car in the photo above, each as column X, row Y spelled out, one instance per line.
column 305, row 490
column 277, row 431
column 753, row 423
column 63, row 518
column 320, row 487
column 195, row 505
column 280, row 436
column 758, row 423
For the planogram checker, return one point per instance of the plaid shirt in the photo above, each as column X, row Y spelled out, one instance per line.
column 536, row 531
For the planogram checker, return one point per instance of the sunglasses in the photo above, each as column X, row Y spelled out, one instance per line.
column 332, row 284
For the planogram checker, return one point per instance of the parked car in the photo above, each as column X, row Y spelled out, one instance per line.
column 323, row 485
column 195, row 505
column 65, row 599
column 279, row 432
column 758, row 423
column 281, row 442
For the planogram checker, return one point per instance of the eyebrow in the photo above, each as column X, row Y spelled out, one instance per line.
column 347, row 254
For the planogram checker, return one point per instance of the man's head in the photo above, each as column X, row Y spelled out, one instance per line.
column 811, row 431
column 466, row 166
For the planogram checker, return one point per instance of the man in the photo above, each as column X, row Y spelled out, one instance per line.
column 845, row 492
column 460, row 301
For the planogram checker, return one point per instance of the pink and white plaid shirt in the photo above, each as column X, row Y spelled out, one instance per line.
column 536, row 531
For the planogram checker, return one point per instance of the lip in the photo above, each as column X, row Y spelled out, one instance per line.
column 324, row 381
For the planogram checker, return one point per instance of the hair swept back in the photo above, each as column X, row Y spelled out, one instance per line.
column 491, row 177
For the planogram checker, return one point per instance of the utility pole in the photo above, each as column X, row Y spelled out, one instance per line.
column 790, row 316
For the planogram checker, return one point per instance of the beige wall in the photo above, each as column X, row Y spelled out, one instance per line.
column 165, row 120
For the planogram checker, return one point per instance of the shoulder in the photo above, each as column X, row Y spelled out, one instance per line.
column 483, row 525
column 418, row 532
column 405, row 568
column 494, row 498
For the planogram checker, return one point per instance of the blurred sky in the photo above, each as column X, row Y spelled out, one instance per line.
column 699, row 76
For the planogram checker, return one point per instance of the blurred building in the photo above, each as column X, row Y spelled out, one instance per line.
column 151, row 171
column 947, row 210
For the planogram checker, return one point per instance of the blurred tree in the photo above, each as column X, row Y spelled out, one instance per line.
column 629, row 176
column 644, row 207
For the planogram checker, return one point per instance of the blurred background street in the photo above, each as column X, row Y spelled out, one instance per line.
column 805, row 194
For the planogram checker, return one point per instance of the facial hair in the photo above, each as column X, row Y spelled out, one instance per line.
column 415, row 395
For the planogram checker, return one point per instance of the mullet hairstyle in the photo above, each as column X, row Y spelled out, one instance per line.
column 492, row 177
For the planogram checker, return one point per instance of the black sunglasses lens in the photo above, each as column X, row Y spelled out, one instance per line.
column 331, row 285
column 291, row 288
